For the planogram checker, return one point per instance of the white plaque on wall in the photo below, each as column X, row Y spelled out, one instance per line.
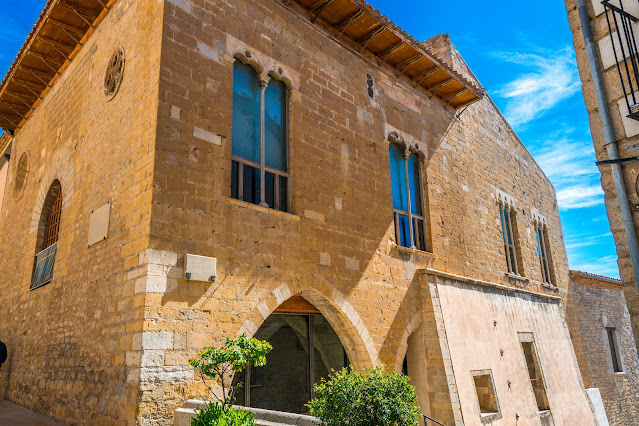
column 99, row 224
column 200, row 268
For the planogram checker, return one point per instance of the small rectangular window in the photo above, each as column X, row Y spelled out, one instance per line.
column 507, row 212
column 485, row 389
column 613, row 343
column 534, row 372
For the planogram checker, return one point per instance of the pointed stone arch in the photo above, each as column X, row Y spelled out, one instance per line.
column 60, row 168
column 337, row 310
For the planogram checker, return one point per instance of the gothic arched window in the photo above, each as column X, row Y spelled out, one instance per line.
column 408, row 209
column 259, row 144
column 47, row 240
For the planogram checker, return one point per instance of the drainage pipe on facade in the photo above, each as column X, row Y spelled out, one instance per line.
column 609, row 138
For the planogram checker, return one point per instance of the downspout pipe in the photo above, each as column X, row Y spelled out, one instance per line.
column 609, row 138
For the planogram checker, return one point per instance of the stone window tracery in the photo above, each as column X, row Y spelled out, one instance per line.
column 507, row 217
column 406, row 182
column 259, row 172
column 543, row 250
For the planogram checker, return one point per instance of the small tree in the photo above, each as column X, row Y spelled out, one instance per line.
column 371, row 397
column 233, row 357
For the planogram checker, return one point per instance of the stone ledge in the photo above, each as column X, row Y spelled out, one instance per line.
column 184, row 414
column 252, row 206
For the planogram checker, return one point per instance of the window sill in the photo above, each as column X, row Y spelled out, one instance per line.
column 516, row 277
column 490, row 417
column 550, row 286
column 423, row 258
column 251, row 206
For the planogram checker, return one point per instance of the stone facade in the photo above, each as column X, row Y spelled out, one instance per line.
column 108, row 340
column 626, row 132
column 595, row 303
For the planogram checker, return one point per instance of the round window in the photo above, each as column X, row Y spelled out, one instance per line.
column 21, row 176
column 114, row 74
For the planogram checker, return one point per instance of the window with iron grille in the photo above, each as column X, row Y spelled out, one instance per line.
column 534, row 371
column 507, row 213
column 543, row 250
column 621, row 27
column 47, row 241
column 259, row 169
column 408, row 209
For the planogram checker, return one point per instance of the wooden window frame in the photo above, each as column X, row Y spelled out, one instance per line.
column 616, row 358
column 541, row 233
column 263, row 81
column 524, row 339
column 507, row 227
column 413, row 218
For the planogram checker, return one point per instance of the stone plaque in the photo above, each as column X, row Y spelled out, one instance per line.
column 99, row 224
column 200, row 268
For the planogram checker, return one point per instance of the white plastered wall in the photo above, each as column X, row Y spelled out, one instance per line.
column 476, row 342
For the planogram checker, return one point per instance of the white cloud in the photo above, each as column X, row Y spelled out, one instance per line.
column 606, row 265
column 550, row 77
column 570, row 166
column 585, row 240
column 580, row 196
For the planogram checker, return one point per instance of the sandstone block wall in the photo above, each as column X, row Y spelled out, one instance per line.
column 594, row 304
column 68, row 340
column 336, row 246
column 626, row 133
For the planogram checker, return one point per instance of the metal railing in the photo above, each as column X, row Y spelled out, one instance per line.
column 43, row 269
column 626, row 52
column 426, row 419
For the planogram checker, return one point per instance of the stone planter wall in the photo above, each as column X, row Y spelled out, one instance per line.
column 184, row 414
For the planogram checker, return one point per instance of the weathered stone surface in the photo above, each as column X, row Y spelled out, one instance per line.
column 594, row 303
column 115, row 328
column 625, row 133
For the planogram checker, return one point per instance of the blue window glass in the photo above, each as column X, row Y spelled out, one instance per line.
column 414, row 184
column 404, row 231
column 398, row 178
column 246, row 113
column 275, row 125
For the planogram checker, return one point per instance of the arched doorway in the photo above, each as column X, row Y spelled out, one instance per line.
column 286, row 382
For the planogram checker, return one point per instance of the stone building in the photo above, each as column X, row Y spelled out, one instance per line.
column 364, row 202
column 601, row 333
column 616, row 141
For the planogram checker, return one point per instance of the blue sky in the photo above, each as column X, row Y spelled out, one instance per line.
column 523, row 55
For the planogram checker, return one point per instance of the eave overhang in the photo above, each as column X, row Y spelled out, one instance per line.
column 61, row 30
column 370, row 31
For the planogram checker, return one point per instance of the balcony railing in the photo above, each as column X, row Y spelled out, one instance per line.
column 43, row 269
column 624, row 47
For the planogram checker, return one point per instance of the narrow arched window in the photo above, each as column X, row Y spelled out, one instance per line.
column 408, row 209
column 543, row 250
column 47, row 240
column 259, row 173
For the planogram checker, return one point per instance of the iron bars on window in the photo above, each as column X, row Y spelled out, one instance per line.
column 624, row 47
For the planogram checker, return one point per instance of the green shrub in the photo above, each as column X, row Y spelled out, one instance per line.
column 233, row 357
column 216, row 415
column 370, row 398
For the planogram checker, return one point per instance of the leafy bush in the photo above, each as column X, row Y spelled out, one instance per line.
column 370, row 398
column 233, row 357
column 219, row 364
column 216, row 415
